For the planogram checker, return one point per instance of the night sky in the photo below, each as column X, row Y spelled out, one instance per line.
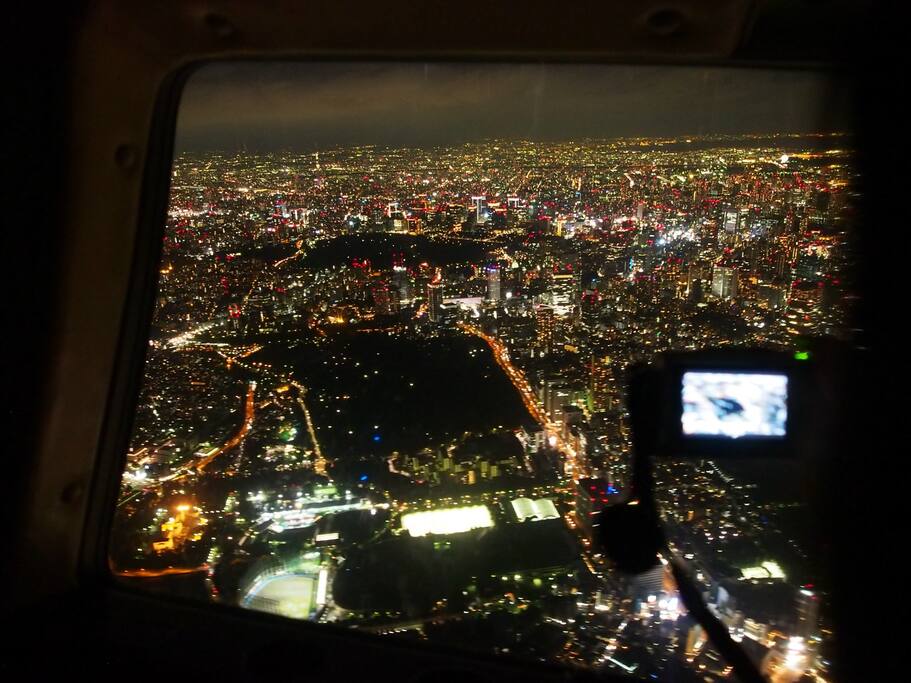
column 305, row 107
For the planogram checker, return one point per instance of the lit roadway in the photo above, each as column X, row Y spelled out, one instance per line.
column 237, row 438
column 202, row 464
column 319, row 465
column 517, row 377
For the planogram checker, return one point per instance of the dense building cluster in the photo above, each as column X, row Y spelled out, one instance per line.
column 354, row 344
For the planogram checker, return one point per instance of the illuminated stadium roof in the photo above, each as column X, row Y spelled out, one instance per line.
column 767, row 570
column 542, row 508
column 447, row 520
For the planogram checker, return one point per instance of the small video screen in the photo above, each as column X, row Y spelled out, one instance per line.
column 734, row 404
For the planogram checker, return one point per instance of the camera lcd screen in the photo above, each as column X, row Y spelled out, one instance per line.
column 734, row 404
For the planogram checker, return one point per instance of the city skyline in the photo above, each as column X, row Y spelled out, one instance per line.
column 313, row 107
column 385, row 386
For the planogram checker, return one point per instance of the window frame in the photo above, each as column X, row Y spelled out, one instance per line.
column 133, row 162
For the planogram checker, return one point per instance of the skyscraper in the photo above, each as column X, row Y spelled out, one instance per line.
column 807, row 613
column 435, row 297
column 602, row 383
column 724, row 282
column 386, row 301
column 545, row 328
column 478, row 203
column 591, row 496
column 592, row 307
column 564, row 293
column 401, row 282
column 493, row 283
column 731, row 225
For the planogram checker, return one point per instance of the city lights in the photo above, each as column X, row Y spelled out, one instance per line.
column 386, row 385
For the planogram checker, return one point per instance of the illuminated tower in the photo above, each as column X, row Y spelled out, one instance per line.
column 731, row 225
column 602, row 383
column 545, row 328
column 807, row 613
column 493, row 283
column 478, row 205
column 435, row 297
column 724, row 282
column 513, row 210
column 564, row 293
column 401, row 279
column 385, row 300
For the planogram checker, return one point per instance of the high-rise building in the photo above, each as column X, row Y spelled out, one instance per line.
column 591, row 496
column 515, row 211
column 493, row 283
column 557, row 395
column 693, row 281
column 377, row 220
column 772, row 296
column 731, row 225
column 385, row 300
column 401, row 282
column 809, row 268
column 448, row 313
column 479, row 203
column 592, row 307
column 352, row 224
column 724, row 282
column 544, row 317
column 564, row 293
column 572, row 416
column 396, row 222
column 807, row 613
column 782, row 267
column 434, row 300
column 603, row 386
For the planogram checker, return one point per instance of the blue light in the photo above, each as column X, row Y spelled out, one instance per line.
column 611, row 489
column 376, row 437
column 363, row 477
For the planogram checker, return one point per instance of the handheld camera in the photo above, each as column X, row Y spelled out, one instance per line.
column 721, row 404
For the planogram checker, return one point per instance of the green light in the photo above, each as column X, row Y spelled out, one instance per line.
column 802, row 355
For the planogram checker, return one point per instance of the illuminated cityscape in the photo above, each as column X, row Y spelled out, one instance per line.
column 385, row 389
